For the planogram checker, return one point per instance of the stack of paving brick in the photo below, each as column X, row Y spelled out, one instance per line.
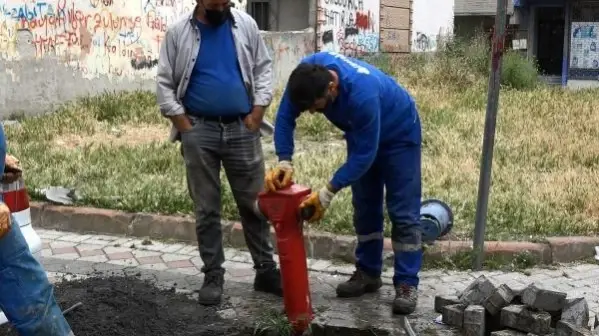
column 486, row 309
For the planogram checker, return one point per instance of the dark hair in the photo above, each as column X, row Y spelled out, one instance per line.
column 307, row 83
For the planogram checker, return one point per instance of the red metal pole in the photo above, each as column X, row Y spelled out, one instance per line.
column 282, row 209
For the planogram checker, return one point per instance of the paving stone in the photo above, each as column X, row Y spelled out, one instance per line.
column 91, row 253
column 520, row 318
column 96, row 258
column 63, row 250
column 47, row 253
column 74, row 238
column 145, row 253
column 120, row 255
column 453, row 315
column 158, row 266
column 112, row 249
column 149, row 260
column 189, row 250
column 474, row 321
column 568, row 329
column 168, row 257
column 576, row 312
column 179, row 264
column 67, row 256
column 543, row 299
column 501, row 297
column 477, row 291
column 445, row 300
column 125, row 262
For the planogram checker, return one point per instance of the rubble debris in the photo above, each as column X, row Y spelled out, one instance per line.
column 501, row 297
column 522, row 318
column 484, row 308
column 445, row 300
column 508, row 332
column 568, row 329
column 478, row 291
column 474, row 321
column 453, row 315
column 543, row 299
column 576, row 312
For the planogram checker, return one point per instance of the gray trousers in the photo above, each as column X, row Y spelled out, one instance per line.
column 206, row 147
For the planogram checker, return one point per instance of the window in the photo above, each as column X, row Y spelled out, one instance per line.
column 260, row 11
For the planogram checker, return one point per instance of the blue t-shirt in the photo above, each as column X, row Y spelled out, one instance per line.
column 216, row 86
column 372, row 109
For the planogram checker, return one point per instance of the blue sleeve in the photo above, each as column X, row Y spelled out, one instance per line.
column 2, row 149
column 285, row 123
column 365, row 142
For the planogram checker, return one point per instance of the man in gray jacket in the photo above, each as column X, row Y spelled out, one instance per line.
column 214, row 83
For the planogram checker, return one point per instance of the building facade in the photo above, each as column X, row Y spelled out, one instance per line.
column 561, row 35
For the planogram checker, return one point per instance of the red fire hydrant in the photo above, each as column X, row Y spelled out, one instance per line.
column 282, row 210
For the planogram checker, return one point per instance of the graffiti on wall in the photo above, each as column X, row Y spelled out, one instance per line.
column 432, row 21
column 350, row 27
column 96, row 37
column 584, row 48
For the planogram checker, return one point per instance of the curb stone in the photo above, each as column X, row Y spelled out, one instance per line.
column 320, row 245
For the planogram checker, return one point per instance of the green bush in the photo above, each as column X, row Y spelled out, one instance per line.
column 465, row 62
column 518, row 72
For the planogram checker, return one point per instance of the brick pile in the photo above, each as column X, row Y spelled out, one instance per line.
column 486, row 309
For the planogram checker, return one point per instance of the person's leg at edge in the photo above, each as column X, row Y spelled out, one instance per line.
column 367, row 199
column 26, row 295
column 243, row 161
column 403, row 185
column 201, row 151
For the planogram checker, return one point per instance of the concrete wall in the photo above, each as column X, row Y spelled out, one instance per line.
column 55, row 50
column 396, row 25
column 350, row 27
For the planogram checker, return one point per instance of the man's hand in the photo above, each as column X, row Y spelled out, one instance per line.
column 12, row 169
column 253, row 120
column 319, row 201
column 5, row 221
column 280, row 177
column 181, row 123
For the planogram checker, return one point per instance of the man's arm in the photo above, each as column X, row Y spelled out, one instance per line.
column 365, row 144
column 285, row 123
column 263, row 81
column 166, row 88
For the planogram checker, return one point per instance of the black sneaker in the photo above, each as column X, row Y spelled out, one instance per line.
column 406, row 298
column 359, row 284
column 212, row 290
column 269, row 281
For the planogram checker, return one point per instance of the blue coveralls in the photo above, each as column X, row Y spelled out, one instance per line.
column 26, row 295
column 383, row 134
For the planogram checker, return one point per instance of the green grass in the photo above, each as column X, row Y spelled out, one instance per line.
column 113, row 148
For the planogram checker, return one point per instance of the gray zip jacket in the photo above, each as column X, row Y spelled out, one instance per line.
column 178, row 54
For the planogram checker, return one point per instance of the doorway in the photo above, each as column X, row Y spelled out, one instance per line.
column 550, row 40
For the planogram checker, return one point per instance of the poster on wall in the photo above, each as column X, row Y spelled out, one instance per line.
column 349, row 27
column 584, row 46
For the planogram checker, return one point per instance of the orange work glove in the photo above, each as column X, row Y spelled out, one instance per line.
column 319, row 201
column 5, row 220
column 280, row 177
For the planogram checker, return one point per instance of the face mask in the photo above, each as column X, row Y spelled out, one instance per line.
column 216, row 17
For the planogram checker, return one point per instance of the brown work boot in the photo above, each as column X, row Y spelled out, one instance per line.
column 212, row 290
column 359, row 284
column 406, row 298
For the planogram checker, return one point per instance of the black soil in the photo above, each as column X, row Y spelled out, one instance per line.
column 128, row 306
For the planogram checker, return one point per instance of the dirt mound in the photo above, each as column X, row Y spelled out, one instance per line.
column 128, row 306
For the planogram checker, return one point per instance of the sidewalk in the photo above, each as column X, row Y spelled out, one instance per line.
column 178, row 265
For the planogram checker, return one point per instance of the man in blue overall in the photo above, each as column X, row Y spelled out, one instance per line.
column 383, row 134
column 26, row 295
